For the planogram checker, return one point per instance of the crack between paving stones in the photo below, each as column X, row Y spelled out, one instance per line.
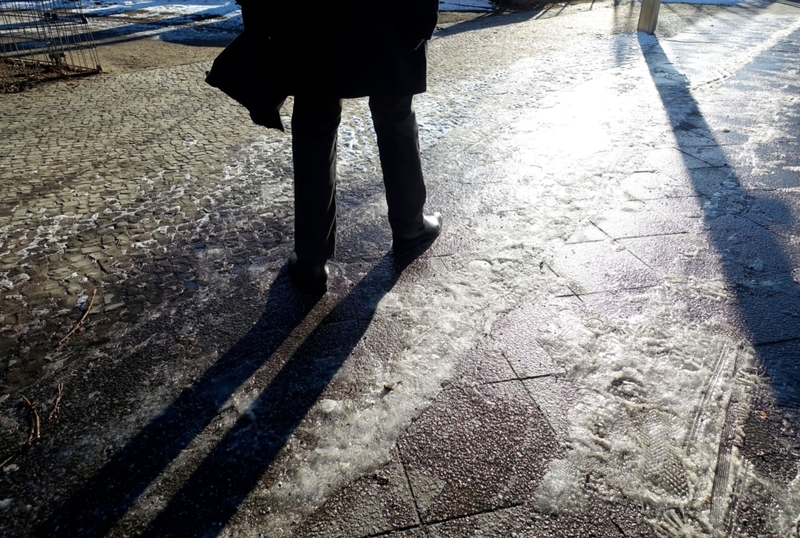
column 403, row 464
column 391, row 531
column 621, row 531
column 615, row 290
column 593, row 223
column 710, row 165
column 765, row 227
column 538, row 376
column 638, row 258
column 776, row 342
column 538, row 407
column 423, row 524
column 646, row 236
column 473, row 514
column 571, row 294
column 617, row 239
column 525, row 378
column 516, row 374
column 530, row 394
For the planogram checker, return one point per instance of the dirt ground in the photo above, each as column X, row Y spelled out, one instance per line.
column 150, row 53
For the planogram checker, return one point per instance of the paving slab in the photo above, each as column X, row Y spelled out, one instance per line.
column 596, row 267
column 372, row 505
column 476, row 449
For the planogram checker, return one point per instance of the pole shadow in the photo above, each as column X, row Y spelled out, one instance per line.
column 756, row 266
column 215, row 490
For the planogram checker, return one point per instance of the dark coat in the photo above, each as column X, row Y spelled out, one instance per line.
column 339, row 48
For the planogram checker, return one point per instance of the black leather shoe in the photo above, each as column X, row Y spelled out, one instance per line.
column 420, row 238
column 309, row 276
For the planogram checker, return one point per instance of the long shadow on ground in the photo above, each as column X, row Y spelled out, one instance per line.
column 757, row 267
column 215, row 490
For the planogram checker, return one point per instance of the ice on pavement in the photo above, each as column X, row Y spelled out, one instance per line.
column 651, row 389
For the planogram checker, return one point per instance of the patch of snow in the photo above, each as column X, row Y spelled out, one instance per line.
column 223, row 8
column 466, row 5
column 162, row 7
column 717, row 2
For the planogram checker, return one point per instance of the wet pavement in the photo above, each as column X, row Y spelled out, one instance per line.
column 603, row 342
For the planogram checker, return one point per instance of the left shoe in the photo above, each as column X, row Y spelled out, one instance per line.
column 309, row 276
column 420, row 238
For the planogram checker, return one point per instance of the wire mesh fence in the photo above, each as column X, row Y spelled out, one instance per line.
column 43, row 40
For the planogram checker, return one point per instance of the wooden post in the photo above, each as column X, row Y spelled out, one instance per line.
column 648, row 17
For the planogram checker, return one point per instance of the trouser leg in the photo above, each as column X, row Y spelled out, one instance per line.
column 315, row 124
column 398, row 144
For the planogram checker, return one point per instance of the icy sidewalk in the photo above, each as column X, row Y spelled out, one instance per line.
column 589, row 341
column 632, row 251
column 602, row 342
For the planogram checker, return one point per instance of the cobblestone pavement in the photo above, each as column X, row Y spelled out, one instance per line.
column 602, row 342
column 108, row 188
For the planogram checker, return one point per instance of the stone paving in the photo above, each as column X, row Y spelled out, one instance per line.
column 101, row 192
column 602, row 343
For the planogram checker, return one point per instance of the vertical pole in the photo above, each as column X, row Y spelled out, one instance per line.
column 648, row 17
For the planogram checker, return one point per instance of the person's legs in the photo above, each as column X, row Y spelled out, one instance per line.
column 315, row 124
column 398, row 145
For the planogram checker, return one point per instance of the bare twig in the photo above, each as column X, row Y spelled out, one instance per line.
column 11, row 457
column 85, row 314
column 34, row 434
column 57, row 405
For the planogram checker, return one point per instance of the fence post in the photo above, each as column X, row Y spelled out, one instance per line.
column 648, row 17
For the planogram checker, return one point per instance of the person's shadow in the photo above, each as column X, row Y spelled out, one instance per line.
column 217, row 487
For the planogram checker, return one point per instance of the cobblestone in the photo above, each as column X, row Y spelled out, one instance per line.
column 93, row 192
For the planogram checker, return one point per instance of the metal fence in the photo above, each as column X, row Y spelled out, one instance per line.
column 43, row 40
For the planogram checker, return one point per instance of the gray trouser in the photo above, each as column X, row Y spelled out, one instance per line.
column 315, row 123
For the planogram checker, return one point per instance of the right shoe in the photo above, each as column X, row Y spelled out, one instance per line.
column 420, row 238
column 309, row 276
